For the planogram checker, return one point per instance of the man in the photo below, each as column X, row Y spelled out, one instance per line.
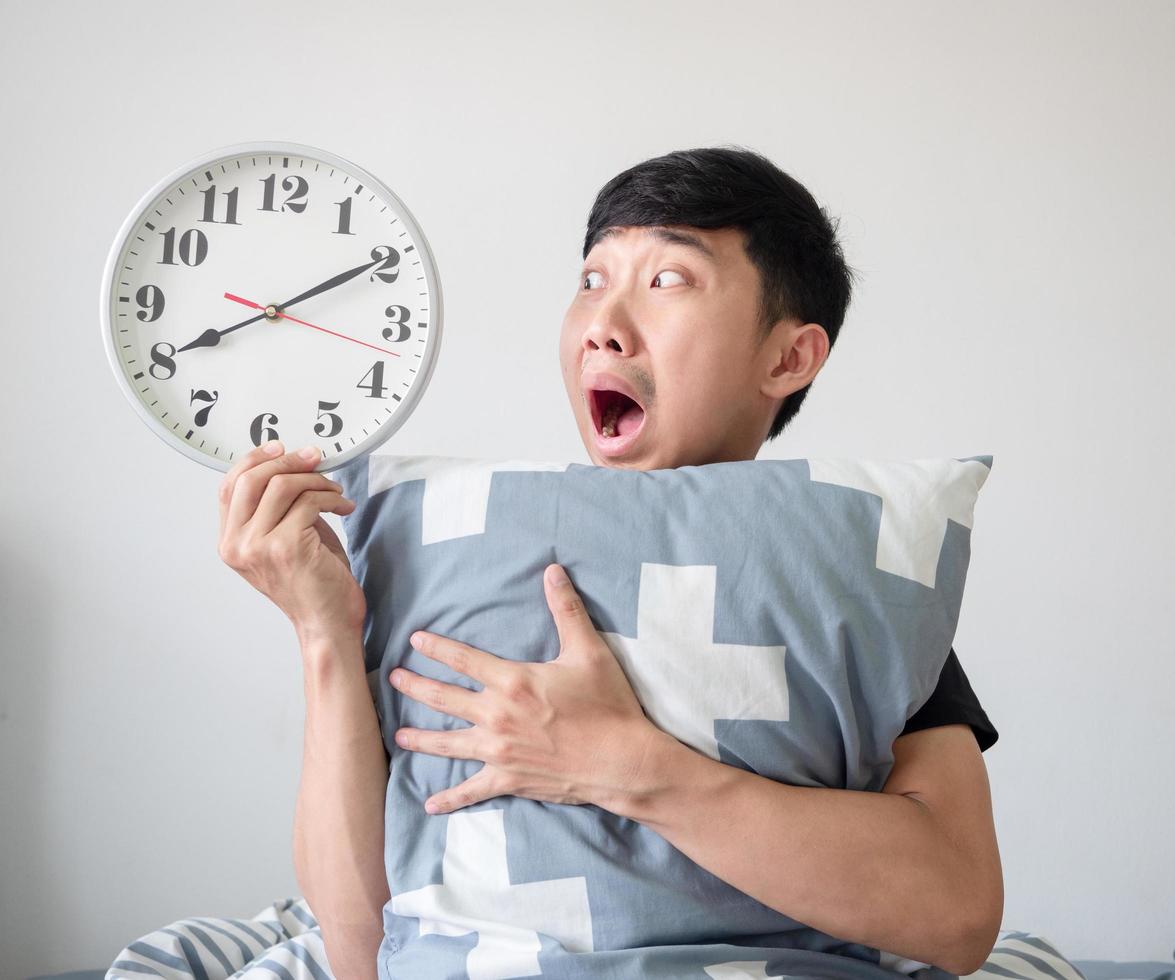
column 712, row 291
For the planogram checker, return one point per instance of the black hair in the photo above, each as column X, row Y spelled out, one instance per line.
column 787, row 236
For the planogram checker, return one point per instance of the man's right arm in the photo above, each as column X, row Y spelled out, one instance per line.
column 339, row 816
column 272, row 534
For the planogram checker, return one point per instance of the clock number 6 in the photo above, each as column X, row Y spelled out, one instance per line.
column 259, row 432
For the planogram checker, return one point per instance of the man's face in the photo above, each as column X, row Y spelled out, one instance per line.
column 681, row 328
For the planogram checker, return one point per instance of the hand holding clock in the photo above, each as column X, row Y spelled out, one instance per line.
column 271, row 532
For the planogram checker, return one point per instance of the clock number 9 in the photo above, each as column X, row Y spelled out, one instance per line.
column 149, row 298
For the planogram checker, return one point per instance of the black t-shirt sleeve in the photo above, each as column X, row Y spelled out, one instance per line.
column 954, row 703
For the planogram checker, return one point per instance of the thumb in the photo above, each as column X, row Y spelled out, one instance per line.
column 571, row 618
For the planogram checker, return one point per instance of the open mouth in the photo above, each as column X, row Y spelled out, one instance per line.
column 617, row 419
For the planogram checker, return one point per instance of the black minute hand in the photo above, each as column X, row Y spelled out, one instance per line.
column 338, row 280
column 211, row 337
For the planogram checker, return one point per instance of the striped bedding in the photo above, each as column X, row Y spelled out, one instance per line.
column 283, row 941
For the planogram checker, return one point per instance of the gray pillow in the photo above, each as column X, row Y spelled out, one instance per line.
column 783, row 616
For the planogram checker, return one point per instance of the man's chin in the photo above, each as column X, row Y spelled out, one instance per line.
column 638, row 461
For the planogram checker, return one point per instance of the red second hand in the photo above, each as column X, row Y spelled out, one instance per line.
column 256, row 306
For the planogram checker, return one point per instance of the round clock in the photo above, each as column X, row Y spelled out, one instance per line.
column 271, row 291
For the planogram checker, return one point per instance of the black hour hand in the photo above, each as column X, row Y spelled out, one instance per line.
column 211, row 337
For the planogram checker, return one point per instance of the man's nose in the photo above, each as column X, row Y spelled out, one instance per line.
column 612, row 327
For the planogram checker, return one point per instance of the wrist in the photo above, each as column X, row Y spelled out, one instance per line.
column 662, row 770
column 328, row 642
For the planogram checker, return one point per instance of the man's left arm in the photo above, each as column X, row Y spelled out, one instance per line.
column 913, row 870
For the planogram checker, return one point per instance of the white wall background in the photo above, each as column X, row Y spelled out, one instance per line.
column 1003, row 172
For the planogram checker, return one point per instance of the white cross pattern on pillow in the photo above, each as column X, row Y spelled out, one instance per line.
column 456, row 489
column 683, row 679
column 475, row 882
column 917, row 498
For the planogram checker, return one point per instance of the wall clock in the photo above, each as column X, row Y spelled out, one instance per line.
column 271, row 290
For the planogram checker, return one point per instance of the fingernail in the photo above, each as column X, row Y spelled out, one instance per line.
column 310, row 452
column 272, row 448
column 557, row 575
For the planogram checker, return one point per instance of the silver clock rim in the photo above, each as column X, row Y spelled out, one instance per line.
column 432, row 277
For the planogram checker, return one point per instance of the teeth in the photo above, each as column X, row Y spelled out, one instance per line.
column 608, row 421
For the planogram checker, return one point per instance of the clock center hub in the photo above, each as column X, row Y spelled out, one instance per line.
column 271, row 312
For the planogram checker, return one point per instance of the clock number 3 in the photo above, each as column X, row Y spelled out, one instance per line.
column 398, row 317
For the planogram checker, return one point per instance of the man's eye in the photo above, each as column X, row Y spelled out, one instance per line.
column 670, row 272
column 585, row 279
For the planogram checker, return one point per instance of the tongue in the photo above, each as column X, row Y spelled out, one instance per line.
column 631, row 419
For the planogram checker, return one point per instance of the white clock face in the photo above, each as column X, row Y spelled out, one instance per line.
column 265, row 224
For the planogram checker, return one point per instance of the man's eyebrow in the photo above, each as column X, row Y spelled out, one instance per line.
column 669, row 235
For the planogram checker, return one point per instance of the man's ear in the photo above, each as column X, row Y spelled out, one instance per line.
column 794, row 354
